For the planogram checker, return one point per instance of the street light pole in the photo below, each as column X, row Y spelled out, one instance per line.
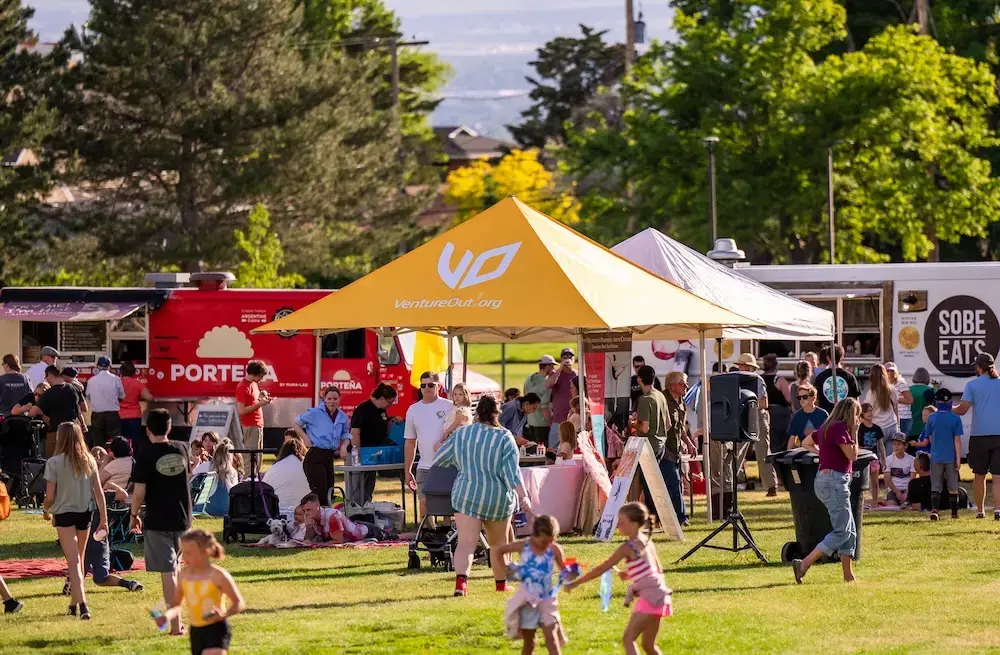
column 629, row 37
column 829, row 203
column 710, row 141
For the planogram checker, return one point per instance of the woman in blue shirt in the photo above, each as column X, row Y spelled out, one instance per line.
column 486, row 489
column 324, row 430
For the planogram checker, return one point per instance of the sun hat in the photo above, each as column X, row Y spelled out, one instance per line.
column 747, row 359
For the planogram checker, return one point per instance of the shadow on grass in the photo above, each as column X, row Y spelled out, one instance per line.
column 343, row 604
column 734, row 566
column 302, row 569
column 66, row 643
column 315, row 574
column 717, row 590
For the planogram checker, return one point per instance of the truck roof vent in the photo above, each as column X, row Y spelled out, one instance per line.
column 726, row 252
column 168, row 280
column 216, row 281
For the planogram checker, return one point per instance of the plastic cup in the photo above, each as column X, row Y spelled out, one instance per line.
column 100, row 535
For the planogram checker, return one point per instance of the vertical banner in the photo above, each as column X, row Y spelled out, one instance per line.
column 608, row 357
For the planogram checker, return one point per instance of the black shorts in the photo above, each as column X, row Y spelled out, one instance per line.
column 984, row 454
column 78, row 520
column 216, row 635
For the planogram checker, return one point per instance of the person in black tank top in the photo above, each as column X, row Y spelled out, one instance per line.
column 779, row 404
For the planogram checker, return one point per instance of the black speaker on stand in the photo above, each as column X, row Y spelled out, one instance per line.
column 734, row 422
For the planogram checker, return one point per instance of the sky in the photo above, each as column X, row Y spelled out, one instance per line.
column 488, row 43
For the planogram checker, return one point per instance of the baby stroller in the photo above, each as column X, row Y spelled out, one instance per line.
column 19, row 440
column 440, row 541
column 31, row 490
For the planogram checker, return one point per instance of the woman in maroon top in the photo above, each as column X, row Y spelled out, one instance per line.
column 837, row 444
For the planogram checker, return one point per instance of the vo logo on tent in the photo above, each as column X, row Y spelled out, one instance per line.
column 470, row 273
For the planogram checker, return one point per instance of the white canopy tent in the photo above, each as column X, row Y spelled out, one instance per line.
column 782, row 316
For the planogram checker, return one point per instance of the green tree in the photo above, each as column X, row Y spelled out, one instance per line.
column 182, row 116
column 25, row 122
column 909, row 116
column 328, row 23
column 262, row 255
column 574, row 76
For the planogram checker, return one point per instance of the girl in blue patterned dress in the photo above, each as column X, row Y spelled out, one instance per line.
column 486, row 489
column 534, row 605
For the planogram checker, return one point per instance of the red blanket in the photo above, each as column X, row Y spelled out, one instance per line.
column 16, row 569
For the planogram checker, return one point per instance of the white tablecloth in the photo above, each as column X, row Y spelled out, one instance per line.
column 554, row 490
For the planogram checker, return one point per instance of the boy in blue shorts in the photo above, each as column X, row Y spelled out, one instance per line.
column 944, row 428
column 97, row 560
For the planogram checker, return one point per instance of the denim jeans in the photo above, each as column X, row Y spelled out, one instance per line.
column 905, row 424
column 833, row 488
column 672, row 478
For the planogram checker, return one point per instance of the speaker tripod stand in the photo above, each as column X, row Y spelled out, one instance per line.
column 736, row 521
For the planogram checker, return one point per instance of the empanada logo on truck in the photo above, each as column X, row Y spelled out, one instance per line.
column 958, row 329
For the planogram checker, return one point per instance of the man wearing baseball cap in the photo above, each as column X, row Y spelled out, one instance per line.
column 982, row 395
column 104, row 393
column 903, row 396
column 537, row 427
column 36, row 374
column 561, row 384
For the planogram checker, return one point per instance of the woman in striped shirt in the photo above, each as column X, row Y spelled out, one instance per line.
column 488, row 482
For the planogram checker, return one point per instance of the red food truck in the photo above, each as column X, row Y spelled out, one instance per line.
column 190, row 337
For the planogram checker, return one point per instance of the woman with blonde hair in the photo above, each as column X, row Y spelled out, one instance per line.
column 836, row 442
column 461, row 413
column 72, row 492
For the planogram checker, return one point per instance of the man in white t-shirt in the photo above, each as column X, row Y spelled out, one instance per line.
column 899, row 470
column 424, row 428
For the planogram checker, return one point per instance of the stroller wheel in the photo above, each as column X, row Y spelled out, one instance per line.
column 413, row 562
column 228, row 537
column 449, row 564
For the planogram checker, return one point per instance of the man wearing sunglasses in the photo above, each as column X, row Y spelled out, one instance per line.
column 424, row 428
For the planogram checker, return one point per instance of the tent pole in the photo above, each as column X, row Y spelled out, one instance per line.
column 833, row 370
column 580, row 375
column 465, row 362
column 503, row 366
column 706, row 464
column 449, row 377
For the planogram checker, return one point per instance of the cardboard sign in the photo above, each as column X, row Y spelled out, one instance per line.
column 220, row 419
column 638, row 453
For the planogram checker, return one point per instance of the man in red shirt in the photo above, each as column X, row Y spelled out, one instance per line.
column 250, row 403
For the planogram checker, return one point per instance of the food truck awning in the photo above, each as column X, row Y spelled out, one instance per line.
column 67, row 311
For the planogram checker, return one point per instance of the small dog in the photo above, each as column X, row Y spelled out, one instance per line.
column 279, row 532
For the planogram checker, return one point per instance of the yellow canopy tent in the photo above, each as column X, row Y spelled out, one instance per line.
column 513, row 274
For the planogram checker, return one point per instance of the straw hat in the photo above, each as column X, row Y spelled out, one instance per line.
column 747, row 359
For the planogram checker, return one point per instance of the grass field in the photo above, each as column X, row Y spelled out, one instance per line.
column 522, row 360
column 923, row 588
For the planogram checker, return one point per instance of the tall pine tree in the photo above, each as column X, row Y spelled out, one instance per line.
column 25, row 122
column 183, row 116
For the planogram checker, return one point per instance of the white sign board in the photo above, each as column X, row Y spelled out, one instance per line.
column 638, row 453
column 220, row 419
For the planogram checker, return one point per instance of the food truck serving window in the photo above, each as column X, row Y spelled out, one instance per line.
column 82, row 331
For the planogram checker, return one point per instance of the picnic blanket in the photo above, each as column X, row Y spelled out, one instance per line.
column 357, row 544
column 17, row 569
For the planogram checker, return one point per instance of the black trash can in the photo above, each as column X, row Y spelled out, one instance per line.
column 797, row 470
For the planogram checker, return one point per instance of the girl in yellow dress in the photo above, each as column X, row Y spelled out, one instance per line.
column 201, row 588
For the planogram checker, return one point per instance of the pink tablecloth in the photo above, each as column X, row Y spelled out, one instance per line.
column 553, row 490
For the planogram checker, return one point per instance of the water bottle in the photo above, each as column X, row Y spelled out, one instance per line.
column 605, row 592
column 157, row 613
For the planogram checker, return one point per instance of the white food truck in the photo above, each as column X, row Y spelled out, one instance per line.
column 937, row 316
